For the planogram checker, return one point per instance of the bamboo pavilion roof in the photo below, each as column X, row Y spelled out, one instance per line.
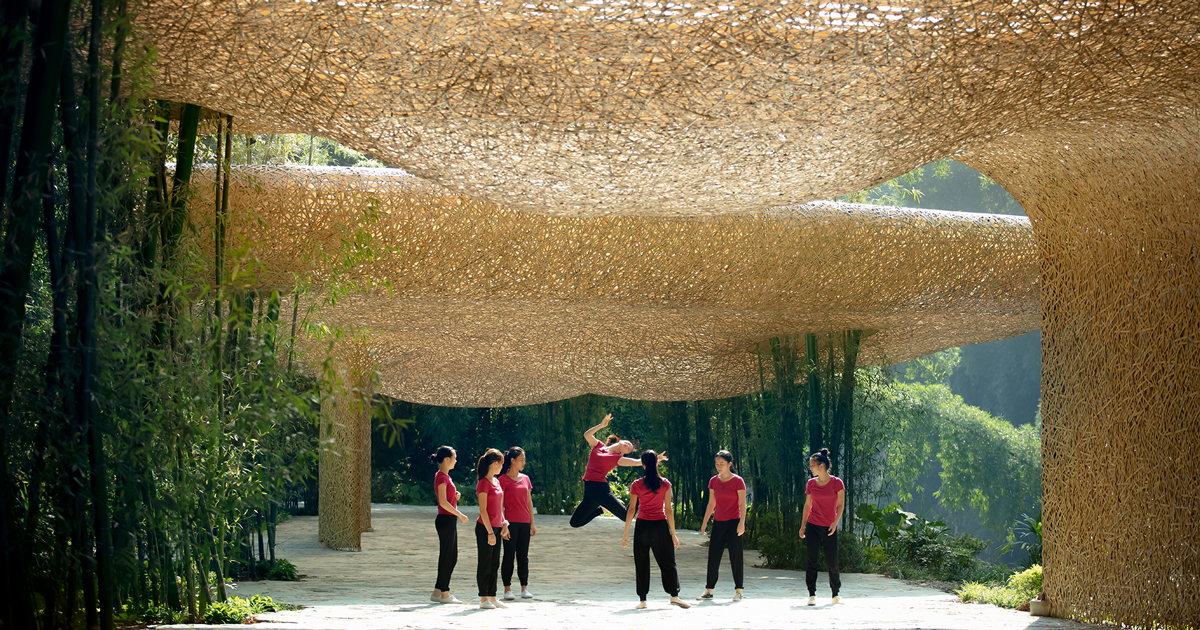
column 471, row 304
column 601, row 107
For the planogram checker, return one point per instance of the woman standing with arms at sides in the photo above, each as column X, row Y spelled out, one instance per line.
column 518, row 511
column 603, row 458
column 447, row 529
column 823, row 506
column 726, row 497
column 490, row 527
column 650, row 498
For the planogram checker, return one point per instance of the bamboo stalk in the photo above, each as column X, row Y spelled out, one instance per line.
column 30, row 174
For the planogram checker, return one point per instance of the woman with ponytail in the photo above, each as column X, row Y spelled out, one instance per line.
column 604, row 457
column 650, row 499
column 727, row 498
column 447, row 528
column 490, row 527
column 823, row 506
column 518, row 511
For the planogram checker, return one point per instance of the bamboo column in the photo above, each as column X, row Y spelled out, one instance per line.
column 1117, row 219
column 344, row 463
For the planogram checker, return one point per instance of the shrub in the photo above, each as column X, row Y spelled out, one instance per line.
column 161, row 615
column 1028, row 581
column 1020, row 588
column 283, row 571
column 238, row 609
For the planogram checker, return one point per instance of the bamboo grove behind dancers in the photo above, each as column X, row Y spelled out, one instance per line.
column 505, row 525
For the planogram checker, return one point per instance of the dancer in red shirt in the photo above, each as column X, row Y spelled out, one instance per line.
column 490, row 527
column 727, row 499
column 445, row 523
column 518, row 511
column 603, row 458
column 650, row 499
column 823, row 506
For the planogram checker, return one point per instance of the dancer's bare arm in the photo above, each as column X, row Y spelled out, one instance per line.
column 590, row 434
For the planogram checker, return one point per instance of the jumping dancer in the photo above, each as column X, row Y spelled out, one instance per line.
column 490, row 527
column 444, row 522
column 518, row 511
column 727, row 497
column 650, row 498
column 823, row 505
column 603, row 458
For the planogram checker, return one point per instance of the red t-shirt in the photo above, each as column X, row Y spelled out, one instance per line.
column 824, row 500
column 442, row 478
column 650, row 504
column 600, row 463
column 495, row 500
column 729, row 508
column 516, row 498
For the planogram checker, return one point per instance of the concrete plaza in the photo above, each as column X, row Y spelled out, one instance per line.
column 581, row 578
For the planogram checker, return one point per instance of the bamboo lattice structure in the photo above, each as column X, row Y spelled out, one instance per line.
column 469, row 304
column 1085, row 111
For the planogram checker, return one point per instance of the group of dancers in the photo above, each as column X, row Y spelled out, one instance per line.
column 506, row 519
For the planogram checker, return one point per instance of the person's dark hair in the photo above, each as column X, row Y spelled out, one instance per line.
column 727, row 456
column 442, row 453
column 612, row 439
column 650, row 471
column 822, row 456
column 485, row 462
column 509, row 456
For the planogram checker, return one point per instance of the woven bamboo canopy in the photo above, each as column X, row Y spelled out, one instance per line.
column 474, row 305
column 1084, row 110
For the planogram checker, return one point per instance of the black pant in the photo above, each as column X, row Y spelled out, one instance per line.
column 816, row 537
column 516, row 545
column 724, row 535
column 654, row 535
column 489, row 560
column 596, row 494
column 447, row 530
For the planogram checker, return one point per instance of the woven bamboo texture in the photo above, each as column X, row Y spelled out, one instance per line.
column 485, row 306
column 672, row 108
column 1115, row 211
column 345, row 456
column 1085, row 111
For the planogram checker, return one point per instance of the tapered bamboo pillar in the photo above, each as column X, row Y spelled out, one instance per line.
column 345, row 459
column 1117, row 219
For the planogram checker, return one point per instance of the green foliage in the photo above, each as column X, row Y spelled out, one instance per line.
column 1017, row 590
column 898, row 541
column 161, row 614
column 934, row 368
column 399, row 486
column 1026, row 536
column 279, row 149
column 239, row 610
column 982, row 463
column 941, row 185
column 283, row 571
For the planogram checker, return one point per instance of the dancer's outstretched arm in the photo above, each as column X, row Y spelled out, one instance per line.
column 630, row 461
column 590, row 434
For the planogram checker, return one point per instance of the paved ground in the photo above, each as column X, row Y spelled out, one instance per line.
column 582, row 579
